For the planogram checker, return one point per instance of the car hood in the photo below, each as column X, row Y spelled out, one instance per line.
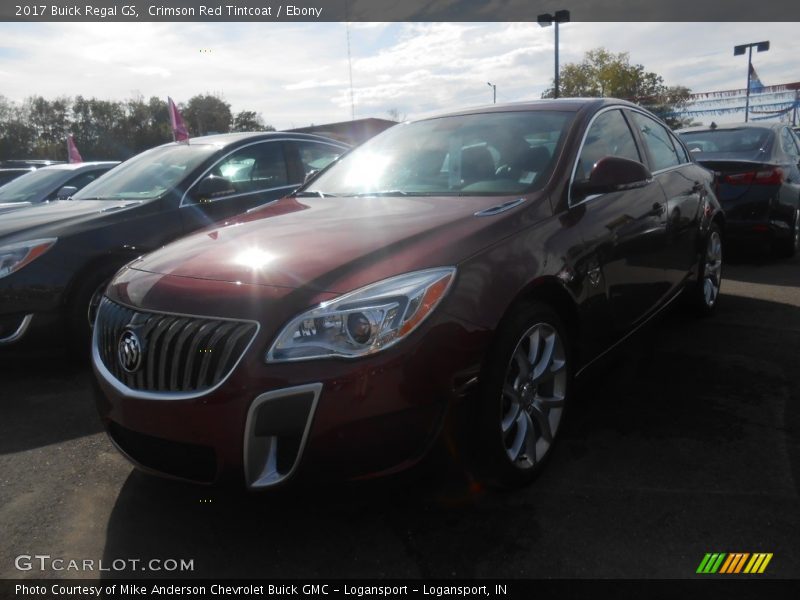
column 333, row 244
column 50, row 218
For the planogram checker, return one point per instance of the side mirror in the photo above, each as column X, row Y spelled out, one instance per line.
column 65, row 192
column 612, row 174
column 212, row 187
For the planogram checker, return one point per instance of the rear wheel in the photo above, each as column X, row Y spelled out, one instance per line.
column 523, row 397
column 788, row 247
column 705, row 293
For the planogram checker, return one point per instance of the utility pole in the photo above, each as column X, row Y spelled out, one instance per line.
column 738, row 51
column 494, row 92
column 545, row 20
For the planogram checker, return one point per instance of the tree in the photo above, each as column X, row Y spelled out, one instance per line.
column 107, row 129
column 249, row 120
column 50, row 122
column 207, row 113
column 16, row 136
column 396, row 115
column 604, row 74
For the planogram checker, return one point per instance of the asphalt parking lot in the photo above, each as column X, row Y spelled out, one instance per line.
column 687, row 442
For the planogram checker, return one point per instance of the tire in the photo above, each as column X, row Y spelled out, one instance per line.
column 704, row 293
column 788, row 247
column 524, row 393
column 82, row 307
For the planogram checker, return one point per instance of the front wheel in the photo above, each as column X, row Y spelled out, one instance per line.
column 523, row 396
column 83, row 309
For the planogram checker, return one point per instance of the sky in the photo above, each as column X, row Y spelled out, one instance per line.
column 298, row 74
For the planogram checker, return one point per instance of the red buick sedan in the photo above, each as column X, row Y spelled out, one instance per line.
column 475, row 262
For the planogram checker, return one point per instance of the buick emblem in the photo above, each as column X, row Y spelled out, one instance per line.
column 129, row 351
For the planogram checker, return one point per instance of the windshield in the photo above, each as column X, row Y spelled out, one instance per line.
column 34, row 186
column 744, row 142
column 149, row 174
column 483, row 154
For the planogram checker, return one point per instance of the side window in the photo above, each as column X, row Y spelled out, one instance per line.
column 683, row 157
column 254, row 168
column 79, row 181
column 609, row 135
column 315, row 156
column 658, row 142
column 788, row 144
column 84, row 179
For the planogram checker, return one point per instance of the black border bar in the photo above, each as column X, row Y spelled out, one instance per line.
column 266, row 11
column 707, row 588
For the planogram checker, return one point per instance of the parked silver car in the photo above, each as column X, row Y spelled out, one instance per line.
column 50, row 183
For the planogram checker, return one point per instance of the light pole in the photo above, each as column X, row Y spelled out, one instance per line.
column 545, row 20
column 494, row 92
column 738, row 51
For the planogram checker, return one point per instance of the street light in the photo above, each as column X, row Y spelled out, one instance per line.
column 545, row 20
column 738, row 51
column 494, row 92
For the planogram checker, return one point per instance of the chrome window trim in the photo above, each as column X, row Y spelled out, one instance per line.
column 269, row 479
column 123, row 389
column 239, row 195
column 223, row 157
column 19, row 332
column 618, row 107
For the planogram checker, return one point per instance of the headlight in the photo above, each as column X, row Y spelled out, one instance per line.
column 364, row 321
column 16, row 256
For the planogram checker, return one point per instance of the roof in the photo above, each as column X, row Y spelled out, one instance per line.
column 555, row 104
column 76, row 166
column 223, row 139
column 724, row 126
column 28, row 162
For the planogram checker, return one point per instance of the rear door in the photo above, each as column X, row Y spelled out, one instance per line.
column 684, row 187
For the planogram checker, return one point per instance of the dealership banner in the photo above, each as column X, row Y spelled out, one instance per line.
column 391, row 10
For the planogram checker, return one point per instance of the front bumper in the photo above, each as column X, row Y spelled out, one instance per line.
column 267, row 424
column 31, row 333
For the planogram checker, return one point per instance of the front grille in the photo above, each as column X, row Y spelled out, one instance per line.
column 187, row 461
column 178, row 353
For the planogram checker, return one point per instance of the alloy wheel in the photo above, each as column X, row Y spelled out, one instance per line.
column 712, row 271
column 534, row 391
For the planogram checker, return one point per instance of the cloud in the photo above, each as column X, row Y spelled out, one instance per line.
column 295, row 74
column 314, row 83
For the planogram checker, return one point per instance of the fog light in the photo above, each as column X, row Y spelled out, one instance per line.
column 359, row 327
